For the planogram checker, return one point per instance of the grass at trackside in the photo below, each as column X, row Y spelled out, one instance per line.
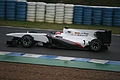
column 54, row 26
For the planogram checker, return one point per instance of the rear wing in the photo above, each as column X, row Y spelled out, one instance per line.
column 105, row 37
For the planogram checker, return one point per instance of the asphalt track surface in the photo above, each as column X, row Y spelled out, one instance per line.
column 113, row 52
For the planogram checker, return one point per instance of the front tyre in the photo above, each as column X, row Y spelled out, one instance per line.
column 27, row 41
column 95, row 45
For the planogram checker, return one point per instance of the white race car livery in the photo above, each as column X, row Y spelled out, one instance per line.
column 94, row 40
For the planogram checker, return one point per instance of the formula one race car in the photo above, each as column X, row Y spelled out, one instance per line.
column 94, row 40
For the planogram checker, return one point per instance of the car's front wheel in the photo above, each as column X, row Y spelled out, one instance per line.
column 95, row 45
column 27, row 41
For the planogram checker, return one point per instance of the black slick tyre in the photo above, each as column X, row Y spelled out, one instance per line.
column 95, row 45
column 27, row 41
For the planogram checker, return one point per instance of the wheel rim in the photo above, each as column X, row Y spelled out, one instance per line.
column 95, row 45
column 26, row 41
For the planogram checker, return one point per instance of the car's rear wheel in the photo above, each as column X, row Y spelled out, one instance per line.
column 27, row 41
column 95, row 45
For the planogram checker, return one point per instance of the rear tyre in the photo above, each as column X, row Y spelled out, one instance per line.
column 95, row 45
column 27, row 41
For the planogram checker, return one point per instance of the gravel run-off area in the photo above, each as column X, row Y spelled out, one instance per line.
column 20, row 71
